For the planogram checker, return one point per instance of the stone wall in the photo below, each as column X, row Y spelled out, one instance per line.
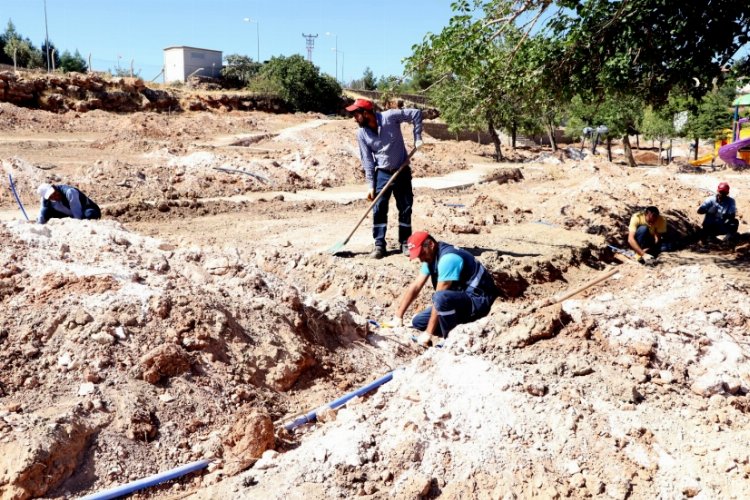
column 85, row 92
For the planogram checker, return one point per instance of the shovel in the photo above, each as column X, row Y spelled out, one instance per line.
column 340, row 245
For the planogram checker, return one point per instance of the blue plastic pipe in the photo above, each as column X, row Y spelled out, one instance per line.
column 126, row 489
column 313, row 415
column 18, row 200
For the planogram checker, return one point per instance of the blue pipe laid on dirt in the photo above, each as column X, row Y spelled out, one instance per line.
column 313, row 415
column 18, row 200
column 147, row 482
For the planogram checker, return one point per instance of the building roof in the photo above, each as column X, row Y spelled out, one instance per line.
column 190, row 48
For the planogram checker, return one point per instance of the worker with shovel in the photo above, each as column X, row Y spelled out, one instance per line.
column 60, row 201
column 645, row 233
column 464, row 289
column 382, row 150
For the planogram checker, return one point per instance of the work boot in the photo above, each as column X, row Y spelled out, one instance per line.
column 378, row 253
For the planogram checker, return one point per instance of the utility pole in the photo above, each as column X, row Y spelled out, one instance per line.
column 310, row 44
column 46, row 34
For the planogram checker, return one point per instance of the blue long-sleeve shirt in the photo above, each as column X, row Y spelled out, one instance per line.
column 717, row 211
column 72, row 204
column 385, row 149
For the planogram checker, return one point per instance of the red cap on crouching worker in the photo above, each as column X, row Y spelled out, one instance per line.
column 723, row 187
column 361, row 104
column 414, row 243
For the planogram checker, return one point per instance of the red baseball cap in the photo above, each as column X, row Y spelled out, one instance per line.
column 360, row 104
column 723, row 187
column 414, row 243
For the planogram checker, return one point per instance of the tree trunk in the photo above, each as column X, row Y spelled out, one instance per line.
column 669, row 153
column 495, row 140
column 609, row 148
column 695, row 153
column 637, row 142
column 629, row 151
column 551, row 134
column 513, row 131
column 660, row 144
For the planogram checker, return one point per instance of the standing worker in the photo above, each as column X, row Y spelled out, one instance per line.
column 720, row 214
column 645, row 233
column 60, row 201
column 464, row 289
column 382, row 149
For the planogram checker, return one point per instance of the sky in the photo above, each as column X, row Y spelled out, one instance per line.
column 113, row 33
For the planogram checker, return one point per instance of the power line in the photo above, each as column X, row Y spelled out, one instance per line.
column 310, row 44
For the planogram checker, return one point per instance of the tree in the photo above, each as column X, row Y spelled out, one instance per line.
column 646, row 47
column 55, row 57
column 72, row 63
column 368, row 79
column 711, row 115
column 20, row 51
column 239, row 70
column 658, row 125
column 301, row 84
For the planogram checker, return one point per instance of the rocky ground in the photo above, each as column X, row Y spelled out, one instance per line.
column 204, row 311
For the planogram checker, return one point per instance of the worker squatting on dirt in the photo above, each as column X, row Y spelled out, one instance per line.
column 62, row 201
column 464, row 289
column 382, row 149
column 720, row 214
column 645, row 233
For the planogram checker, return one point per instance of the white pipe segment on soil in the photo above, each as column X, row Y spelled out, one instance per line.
column 126, row 489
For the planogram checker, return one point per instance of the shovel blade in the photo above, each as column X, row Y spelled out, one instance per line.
column 336, row 248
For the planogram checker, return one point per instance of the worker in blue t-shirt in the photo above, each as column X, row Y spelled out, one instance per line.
column 382, row 150
column 464, row 289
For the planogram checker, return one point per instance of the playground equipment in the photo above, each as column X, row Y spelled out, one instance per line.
column 737, row 153
column 724, row 138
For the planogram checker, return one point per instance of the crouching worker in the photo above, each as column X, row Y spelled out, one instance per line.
column 645, row 233
column 62, row 201
column 720, row 214
column 464, row 289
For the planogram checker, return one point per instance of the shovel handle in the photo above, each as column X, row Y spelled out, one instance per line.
column 381, row 193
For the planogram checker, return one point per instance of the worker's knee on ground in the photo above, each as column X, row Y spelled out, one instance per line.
column 642, row 232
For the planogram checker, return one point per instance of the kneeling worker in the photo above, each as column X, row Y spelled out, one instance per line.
column 720, row 213
column 645, row 232
column 464, row 289
column 62, row 201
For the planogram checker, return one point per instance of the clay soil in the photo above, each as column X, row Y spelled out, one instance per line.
column 204, row 311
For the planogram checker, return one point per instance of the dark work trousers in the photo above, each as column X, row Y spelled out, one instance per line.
column 401, row 189
column 646, row 240
column 720, row 227
column 88, row 213
column 453, row 308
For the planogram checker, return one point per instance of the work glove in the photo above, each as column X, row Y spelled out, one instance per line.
column 395, row 322
column 647, row 257
column 425, row 340
column 418, row 144
column 371, row 194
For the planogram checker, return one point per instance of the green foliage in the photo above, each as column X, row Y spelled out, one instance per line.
column 712, row 113
column 55, row 58
column 239, row 70
column 657, row 124
column 367, row 82
column 645, row 47
column 24, row 52
column 301, row 84
column 72, row 62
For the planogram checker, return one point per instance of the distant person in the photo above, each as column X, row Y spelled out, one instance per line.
column 60, row 201
column 720, row 214
column 382, row 150
column 464, row 289
column 645, row 233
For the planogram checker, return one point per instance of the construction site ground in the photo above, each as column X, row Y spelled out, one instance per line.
column 204, row 311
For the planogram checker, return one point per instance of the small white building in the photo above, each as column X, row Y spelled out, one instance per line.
column 182, row 62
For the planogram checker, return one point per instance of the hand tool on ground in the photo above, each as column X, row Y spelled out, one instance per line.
column 15, row 194
column 339, row 246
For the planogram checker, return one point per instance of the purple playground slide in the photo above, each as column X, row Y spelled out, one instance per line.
column 728, row 153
